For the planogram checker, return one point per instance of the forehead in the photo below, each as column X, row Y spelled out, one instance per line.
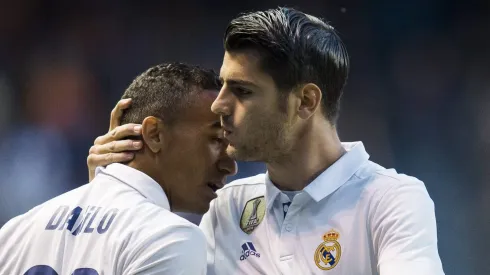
column 199, row 112
column 245, row 66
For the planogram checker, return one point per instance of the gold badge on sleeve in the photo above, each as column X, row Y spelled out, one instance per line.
column 327, row 254
column 252, row 214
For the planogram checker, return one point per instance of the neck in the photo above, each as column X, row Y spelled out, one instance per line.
column 313, row 153
column 144, row 164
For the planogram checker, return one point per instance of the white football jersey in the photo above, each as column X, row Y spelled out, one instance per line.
column 120, row 223
column 355, row 218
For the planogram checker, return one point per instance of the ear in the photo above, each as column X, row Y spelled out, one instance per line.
column 152, row 133
column 310, row 97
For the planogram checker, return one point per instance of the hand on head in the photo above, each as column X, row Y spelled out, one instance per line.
column 114, row 147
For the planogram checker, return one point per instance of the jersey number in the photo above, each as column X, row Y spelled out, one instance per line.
column 47, row 270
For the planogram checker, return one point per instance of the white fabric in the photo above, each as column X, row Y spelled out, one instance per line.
column 123, row 226
column 385, row 223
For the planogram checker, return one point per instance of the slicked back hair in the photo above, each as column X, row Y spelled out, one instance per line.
column 295, row 49
column 165, row 90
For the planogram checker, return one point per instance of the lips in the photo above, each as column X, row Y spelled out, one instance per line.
column 216, row 185
column 226, row 126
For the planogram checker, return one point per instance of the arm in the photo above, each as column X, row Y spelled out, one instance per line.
column 110, row 148
column 403, row 227
column 175, row 251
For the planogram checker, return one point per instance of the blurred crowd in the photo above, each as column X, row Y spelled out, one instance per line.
column 418, row 94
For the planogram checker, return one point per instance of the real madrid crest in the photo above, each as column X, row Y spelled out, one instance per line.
column 252, row 214
column 328, row 253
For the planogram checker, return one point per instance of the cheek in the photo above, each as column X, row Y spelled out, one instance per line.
column 259, row 117
column 184, row 157
column 239, row 115
column 190, row 174
column 249, row 117
column 201, row 158
column 265, row 126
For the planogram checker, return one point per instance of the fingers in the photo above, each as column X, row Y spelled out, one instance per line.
column 111, row 148
column 94, row 160
column 120, row 132
column 117, row 146
column 117, row 112
column 112, row 152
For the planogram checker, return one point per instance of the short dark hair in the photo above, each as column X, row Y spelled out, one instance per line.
column 295, row 48
column 165, row 90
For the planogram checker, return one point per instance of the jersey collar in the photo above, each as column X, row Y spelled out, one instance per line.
column 138, row 180
column 332, row 178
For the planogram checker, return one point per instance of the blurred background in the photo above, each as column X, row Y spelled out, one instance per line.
column 418, row 94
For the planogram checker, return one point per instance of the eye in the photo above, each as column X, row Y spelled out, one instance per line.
column 220, row 143
column 218, row 140
column 239, row 91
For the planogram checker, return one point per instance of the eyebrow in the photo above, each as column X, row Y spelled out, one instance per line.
column 239, row 82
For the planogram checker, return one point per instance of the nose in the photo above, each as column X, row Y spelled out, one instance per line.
column 222, row 104
column 227, row 165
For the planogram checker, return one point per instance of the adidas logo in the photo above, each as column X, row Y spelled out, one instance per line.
column 248, row 249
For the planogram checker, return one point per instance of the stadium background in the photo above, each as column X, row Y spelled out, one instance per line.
column 418, row 93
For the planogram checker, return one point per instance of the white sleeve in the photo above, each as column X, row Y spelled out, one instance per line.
column 179, row 250
column 403, row 227
column 208, row 225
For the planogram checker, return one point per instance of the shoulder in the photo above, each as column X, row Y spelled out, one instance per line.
column 241, row 190
column 172, row 230
column 147, row 219
column 165, row 245
column 232, row 198
column 374, row 187
column 250, row 185
column 44, row 210
column 248, row 182
column 377, row 181
column 152, row 230
column 385, row 192
column 390, row 183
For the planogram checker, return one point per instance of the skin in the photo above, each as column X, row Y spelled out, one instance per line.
column 295, row 141
column 188, row 159
column 289, row 133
